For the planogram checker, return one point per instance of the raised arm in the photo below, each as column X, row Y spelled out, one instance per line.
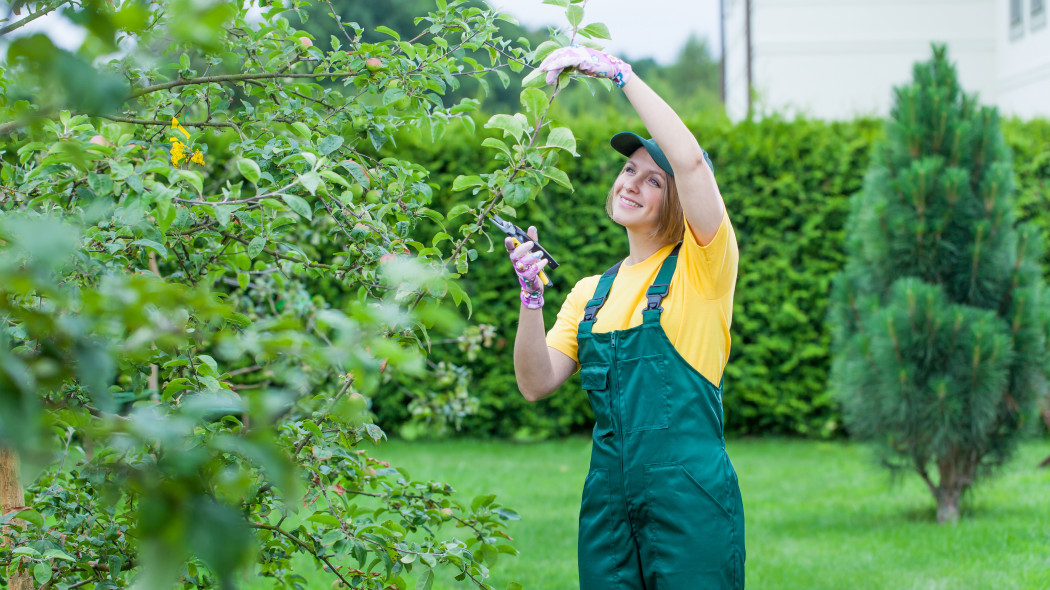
column 697, row 189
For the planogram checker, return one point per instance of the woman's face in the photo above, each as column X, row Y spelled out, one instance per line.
column 638, row 193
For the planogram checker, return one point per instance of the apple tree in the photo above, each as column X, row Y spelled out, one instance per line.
column 210, row 254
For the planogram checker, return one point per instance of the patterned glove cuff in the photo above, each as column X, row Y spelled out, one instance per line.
column 532, row 300
column 624, row 73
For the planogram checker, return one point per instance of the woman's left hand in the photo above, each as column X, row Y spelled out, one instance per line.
column 588, row 61
column 527, row 265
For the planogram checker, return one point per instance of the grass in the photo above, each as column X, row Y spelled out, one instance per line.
column 819, row 515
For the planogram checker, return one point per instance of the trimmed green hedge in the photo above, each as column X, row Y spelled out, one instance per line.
column 786, row 185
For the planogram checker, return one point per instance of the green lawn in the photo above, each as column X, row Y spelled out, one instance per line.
column 819, row 515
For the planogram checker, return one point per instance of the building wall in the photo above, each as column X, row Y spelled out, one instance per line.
column 837, row 59
column 1023, row 64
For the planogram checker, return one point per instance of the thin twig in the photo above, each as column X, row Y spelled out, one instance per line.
column 339, row 22
column 233, row 78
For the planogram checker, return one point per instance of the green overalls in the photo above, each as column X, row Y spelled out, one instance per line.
column 661, row 505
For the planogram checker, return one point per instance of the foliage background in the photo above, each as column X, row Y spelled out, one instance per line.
column 786, row 184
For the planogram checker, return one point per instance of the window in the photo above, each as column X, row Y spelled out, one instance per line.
column 1016, row 19
column 1038, row 19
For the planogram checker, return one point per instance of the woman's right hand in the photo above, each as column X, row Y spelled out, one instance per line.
column 527, row 265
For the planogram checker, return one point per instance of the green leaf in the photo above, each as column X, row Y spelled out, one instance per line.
column 559, row 176
column 511, row 125
column 193, row 177
column 534, row 100
column 515, row 194
column 426, row 580
column 33, row 517
column 492, row 142
column 357, row 172
column 504, row 78
column 42, row 572
column 562, row 138
column 301, row 129
column 329, row 144
column 388, row 31
column 597, row 31
column 58, row 554
column 535, row 79
column 310, row 181
column 393, row 95
column 482, row 500
column 465, row 182
column 255, row 247
column 325, row 519
column 468, row 124
column 514, row 586
column 458, row 210
column 26, row 552
column 249, row 170
column 334, row 178
column 313, row 429
column 298, row 205
column 158, row 248
column 574, row 14
column 546, row 48
column 507, row 514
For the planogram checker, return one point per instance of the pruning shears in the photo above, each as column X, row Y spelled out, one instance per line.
column 520, row 237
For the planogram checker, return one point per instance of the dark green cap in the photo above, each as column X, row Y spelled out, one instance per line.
column 627, row 143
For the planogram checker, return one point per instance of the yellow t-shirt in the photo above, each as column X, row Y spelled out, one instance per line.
column 698, row 308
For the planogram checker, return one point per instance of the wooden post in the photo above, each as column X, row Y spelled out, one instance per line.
column 12, row 496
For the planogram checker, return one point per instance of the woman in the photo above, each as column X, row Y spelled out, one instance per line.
column 661, row 505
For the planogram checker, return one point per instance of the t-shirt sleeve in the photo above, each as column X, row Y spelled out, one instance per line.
column 562, row 336
column 712, row 268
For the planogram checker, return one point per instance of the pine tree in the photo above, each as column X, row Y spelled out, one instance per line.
column 939, row 328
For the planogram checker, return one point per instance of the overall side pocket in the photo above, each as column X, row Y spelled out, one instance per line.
column 595, row 381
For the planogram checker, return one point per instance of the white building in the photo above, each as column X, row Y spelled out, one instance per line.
column 838, row 59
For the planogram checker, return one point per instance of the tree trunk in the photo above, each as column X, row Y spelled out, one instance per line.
column 955, row 472
column 11, row 497
column 1046, row 419
column 948, row 506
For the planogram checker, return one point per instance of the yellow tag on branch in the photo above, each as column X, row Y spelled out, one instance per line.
column 179, row 149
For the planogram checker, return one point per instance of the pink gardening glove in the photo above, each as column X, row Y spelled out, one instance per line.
column 527, row 265
column 589, row 61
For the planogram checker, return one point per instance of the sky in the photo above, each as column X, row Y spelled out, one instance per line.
column 639, row 28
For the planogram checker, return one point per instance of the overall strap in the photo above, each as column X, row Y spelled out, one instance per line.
column 598, row 300
column 658, row 290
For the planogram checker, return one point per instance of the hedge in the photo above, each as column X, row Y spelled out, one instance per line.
column 786, row 184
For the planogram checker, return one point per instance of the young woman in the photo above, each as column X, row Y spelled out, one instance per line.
column 661, row 505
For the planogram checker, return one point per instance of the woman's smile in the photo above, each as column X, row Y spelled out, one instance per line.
column 628, row 202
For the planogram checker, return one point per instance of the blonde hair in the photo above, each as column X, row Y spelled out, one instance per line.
column 671, row 228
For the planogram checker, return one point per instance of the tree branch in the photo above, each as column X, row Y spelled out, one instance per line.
column 32, row 17
column 233, row 78
column 166, row 123
column 304, row 546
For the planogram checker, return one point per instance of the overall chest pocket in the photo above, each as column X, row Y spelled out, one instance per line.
column 644, row 393
column 594, row 379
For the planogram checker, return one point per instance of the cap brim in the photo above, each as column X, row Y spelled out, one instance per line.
column 627, row 143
